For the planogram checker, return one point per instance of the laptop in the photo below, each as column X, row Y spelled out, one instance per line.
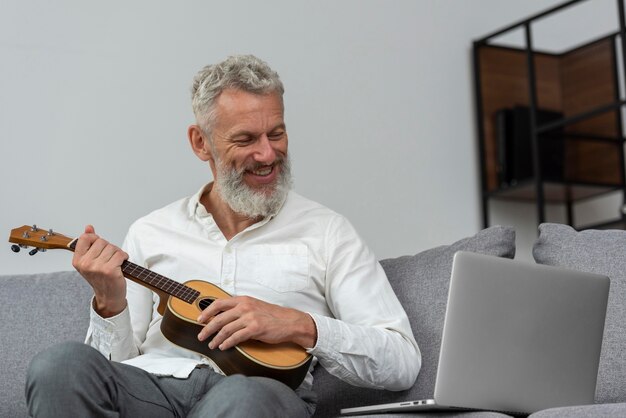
column 518, row 337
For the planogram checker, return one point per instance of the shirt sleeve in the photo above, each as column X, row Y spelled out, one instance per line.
column 111, row 336
column 369, row 341
column 120, row 337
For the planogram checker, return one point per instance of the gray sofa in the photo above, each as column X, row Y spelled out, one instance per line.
column 41, row 310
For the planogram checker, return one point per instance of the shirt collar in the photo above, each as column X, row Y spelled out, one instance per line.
column 195, row 208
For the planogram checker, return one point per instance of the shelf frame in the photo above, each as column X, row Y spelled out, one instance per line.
column 541, row 130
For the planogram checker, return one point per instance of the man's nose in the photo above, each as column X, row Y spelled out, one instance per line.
column 264, row 152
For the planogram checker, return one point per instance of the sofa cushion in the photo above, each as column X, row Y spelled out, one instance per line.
column 37, row 312
column 602, row 252
column 607, row 410
column 440, row 414
column 421, row 283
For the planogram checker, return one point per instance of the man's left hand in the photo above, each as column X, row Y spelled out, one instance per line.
column 243, row 318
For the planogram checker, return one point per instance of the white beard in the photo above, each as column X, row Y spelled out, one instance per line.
column 244, row 200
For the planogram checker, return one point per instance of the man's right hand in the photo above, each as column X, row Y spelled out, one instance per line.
column 99, row 262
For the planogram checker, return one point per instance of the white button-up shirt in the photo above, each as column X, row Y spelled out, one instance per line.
column 306, row 257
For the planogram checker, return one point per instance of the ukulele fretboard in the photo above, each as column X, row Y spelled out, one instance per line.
column 169, row 286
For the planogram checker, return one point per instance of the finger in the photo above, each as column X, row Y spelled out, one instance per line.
column 107, row 253
column 236, row 338
column 242, row 303
column 95, row 251
column 119, row 257
column 217, row 323
column 81, row 260
column 112, row 254
column 114, row 259
column 217, row 306
column 85, row 241
column 225, row 338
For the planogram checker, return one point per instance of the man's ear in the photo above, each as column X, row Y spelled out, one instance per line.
column 199, row 143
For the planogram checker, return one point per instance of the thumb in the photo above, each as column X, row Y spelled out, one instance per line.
column 89, row 229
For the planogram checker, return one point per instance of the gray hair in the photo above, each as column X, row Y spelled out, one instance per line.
column 241, row 72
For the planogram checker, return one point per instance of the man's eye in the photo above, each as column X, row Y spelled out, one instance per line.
column 243, row 140
column 276, row 135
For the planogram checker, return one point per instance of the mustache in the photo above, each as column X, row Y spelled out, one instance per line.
column 255, row 165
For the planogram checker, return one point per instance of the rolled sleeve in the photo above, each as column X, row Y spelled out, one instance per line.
column 360, row 355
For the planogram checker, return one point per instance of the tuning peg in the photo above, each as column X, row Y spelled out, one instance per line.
column 15, row 248
column 25, row 234
column 34, row 228
column 50, row 232
column 33, row 251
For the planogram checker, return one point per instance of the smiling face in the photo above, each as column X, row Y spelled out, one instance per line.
column 248, row 152
column 249, row 135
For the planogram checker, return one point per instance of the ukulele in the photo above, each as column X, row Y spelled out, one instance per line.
column 180, row 305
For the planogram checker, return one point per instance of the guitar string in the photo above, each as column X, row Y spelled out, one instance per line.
column 177, row 289
column 170, row 284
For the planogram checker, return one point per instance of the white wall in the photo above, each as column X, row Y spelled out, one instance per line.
column 94, row 106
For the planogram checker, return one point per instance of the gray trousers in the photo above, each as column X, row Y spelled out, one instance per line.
column 75, row 380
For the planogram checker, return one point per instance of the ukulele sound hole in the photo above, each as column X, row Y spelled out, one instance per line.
column 204, row 303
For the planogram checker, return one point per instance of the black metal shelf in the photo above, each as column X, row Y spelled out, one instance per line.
column 591, row 146
column 580, row 117
column 526, row 21
column 587, row 137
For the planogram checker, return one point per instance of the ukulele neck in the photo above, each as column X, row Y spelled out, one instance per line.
column 150, row 279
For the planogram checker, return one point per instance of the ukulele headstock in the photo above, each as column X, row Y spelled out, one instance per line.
column 42, row 239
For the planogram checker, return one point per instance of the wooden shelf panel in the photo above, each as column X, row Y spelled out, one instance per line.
column 554, row 192
column 504, row 84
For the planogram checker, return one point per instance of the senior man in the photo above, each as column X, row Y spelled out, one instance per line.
column 298, row 273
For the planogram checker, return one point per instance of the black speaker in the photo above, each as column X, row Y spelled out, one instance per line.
column 514, row 147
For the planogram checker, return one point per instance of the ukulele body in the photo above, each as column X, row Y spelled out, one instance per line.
column 285, row 362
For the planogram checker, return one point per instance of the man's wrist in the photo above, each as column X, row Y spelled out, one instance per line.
column 306, row 331
column 108, row 309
